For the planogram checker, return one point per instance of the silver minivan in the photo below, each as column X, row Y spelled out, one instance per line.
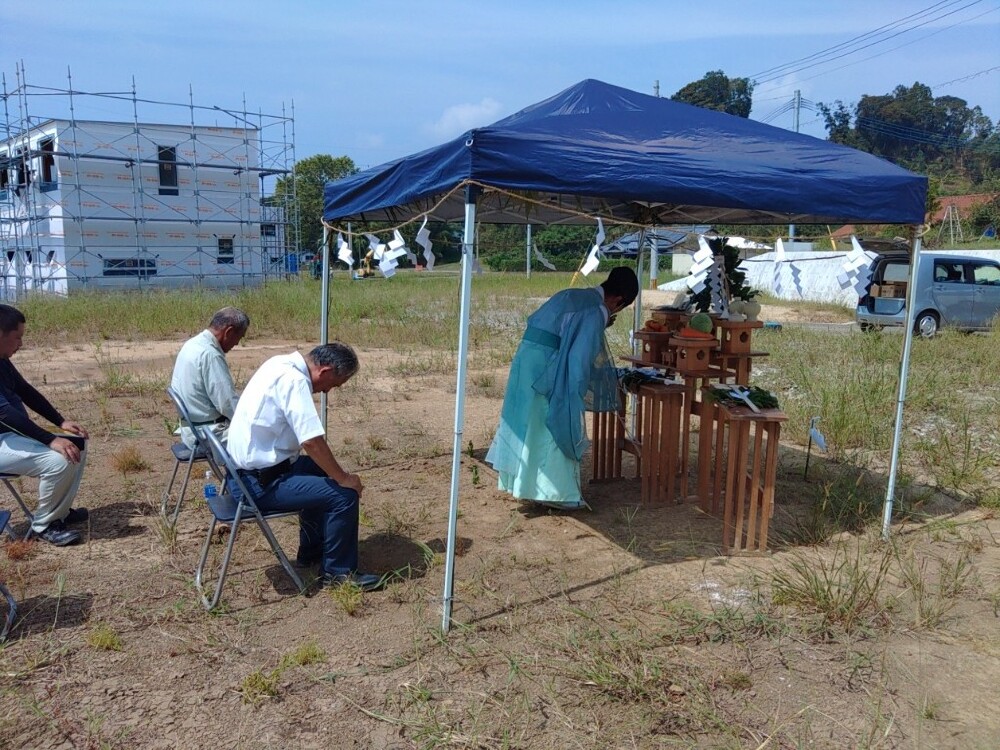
column 956, row 291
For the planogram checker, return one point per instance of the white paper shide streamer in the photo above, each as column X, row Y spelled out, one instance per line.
column 816, row 435
column 542, row 259
column 375, row 246
column 857, row 268
column 704, row 259
column 594, row 256
column 779, row 258
column 398, row 248
column 708, row 271
column 424, row 240
column 344, row 253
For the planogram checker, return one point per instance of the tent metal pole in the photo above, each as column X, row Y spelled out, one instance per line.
column 527, row 254
column 654, row 260
column 904, row 369
column 324, row 311
column 637, row 307
column 468, row 245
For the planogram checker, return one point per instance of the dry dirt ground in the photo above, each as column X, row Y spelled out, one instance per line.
column 624, row 627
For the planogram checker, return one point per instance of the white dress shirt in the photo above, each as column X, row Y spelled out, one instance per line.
column 202, row 380
column 275, row 414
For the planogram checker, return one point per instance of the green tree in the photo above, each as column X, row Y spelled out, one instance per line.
column 719, row 92
column 303, row 189
column 911, row 127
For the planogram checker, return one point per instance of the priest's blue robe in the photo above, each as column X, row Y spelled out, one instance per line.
column 561, row 370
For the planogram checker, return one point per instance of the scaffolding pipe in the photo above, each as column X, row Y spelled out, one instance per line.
column 39, row 219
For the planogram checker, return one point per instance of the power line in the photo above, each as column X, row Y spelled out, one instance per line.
column 914, row 135
column 826, row 56
column 848, row 43
column 966, row 78
column 899, row 46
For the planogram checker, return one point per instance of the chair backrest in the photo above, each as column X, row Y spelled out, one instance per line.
column 183, row 413
column 228, row 509
column 227, row 505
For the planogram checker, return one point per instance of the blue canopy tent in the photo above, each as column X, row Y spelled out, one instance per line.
column 596, row 150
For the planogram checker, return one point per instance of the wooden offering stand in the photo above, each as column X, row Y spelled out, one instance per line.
column 737, row 464
column 737, row 448
column 734, row 355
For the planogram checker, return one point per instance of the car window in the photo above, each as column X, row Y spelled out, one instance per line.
column 986, row 274
column 893, row 272
column 946, row 271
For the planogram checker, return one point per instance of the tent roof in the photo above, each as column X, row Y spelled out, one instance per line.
column 601, row 150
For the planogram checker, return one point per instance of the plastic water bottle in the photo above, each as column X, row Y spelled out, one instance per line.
column 211, row 490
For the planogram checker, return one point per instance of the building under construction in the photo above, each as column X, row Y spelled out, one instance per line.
column 160, row 195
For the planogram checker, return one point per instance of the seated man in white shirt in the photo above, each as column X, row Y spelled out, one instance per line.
column 275, row 419
column 201, row 375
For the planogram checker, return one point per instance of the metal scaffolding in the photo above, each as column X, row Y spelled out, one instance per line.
column 113, row 190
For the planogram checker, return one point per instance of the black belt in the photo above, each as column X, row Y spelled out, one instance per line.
column 217, row 420
column 269, row 474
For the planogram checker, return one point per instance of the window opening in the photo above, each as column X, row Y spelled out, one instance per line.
column 48, row 179
column 226, row 254
column 168, row 170
column 141, row 267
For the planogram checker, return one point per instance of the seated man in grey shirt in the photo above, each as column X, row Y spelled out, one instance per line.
column 201, row 375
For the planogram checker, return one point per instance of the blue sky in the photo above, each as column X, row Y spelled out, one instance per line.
column 381, row 79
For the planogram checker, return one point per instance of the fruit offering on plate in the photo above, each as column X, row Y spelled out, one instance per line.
column 699, row 327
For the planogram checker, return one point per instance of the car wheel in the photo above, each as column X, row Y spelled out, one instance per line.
column 869, row 327
column 927, row 324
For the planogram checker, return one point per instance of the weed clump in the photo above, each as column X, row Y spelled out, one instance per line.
column 129, row 460
column 104, row 638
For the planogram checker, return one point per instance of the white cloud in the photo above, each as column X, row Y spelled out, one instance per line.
column 458, row 118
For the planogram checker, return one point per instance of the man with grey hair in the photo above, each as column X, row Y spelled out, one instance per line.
column 201, row 375
column 275, row 419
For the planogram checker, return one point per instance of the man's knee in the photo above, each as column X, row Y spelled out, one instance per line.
column 53, row 466
column 57, row 466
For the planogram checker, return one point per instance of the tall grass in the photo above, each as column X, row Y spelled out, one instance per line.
column 407, row 311
column 951, row 420
column 952, row 415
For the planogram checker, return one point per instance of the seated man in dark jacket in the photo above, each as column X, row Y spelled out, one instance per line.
column 30, row 450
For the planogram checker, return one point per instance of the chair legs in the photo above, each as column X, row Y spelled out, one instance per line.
column 210, row 602
column 165, row 503
column 6, row 598
column 24, row 507
column 165, row 511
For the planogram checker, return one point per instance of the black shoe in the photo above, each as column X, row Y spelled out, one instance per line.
column 364, row 581
column 56, row 533
column 76, row 515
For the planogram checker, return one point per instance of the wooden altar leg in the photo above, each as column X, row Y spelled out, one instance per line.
column 706, row 432
column 648, row 461
column 732, row 534
column 770, row 473
column 721, row 439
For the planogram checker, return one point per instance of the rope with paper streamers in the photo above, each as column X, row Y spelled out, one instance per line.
column 500, row 191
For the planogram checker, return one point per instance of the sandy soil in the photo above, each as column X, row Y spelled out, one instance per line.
column 605, row 629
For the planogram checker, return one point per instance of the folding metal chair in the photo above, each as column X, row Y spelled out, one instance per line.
column 6, row 479
column 184, row 455
column 10, row 607
column 226, row 510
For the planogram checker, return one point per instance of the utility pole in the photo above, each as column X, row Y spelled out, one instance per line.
column 796, row 105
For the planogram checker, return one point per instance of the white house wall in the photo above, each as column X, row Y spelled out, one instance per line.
column 109, row 208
